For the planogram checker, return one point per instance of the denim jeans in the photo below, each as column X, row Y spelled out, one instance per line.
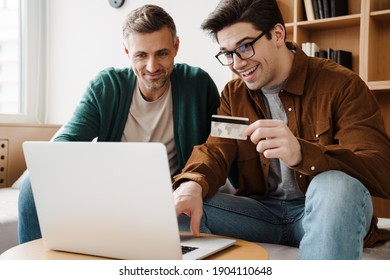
column 330, row 223
column 28, row 224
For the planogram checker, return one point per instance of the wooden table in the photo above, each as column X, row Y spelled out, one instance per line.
column 35, row 250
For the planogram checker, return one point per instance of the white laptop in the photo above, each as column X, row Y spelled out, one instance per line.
column 109, row 199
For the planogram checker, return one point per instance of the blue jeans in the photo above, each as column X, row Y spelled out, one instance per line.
column 330, row 223
column 28, row 224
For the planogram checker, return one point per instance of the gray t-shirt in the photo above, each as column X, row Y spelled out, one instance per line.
column 281, row 179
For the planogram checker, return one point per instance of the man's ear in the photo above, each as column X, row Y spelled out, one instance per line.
column 280, row 32
column 125, row 47
column 177, row 44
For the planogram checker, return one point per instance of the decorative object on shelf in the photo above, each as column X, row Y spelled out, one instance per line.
column 116, row 3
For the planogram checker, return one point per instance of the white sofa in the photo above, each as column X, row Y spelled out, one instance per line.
column 8, row 218
column 12, row 136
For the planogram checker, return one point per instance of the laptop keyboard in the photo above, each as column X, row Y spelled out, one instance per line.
column 187, row 249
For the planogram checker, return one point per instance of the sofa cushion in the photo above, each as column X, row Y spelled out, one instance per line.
column 8, row 218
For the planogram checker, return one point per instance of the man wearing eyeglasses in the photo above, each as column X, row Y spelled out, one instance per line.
column 316, row 149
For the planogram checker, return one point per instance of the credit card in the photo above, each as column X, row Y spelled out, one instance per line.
column 229, row 127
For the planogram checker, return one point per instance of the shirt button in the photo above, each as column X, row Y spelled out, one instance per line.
column 317, row 135
column 289, row 109
column 313, row 168
column 300, row 176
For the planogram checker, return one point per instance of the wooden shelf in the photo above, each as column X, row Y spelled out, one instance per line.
column 381, row 15
column 379, row 86
column 331, row 23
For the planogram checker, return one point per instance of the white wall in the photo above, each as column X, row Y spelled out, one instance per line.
column 84, row 37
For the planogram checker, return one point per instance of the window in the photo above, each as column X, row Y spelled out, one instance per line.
column 22, row 61
column 10, row 58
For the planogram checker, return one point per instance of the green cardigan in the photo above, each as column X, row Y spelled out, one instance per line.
column 103, row 110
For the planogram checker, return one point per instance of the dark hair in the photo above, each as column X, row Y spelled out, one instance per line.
column 262, row 14
column 147, row 19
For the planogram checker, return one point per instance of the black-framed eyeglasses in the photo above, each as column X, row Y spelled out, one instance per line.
column 244, row 52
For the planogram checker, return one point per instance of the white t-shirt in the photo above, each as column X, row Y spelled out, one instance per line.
column 152, row 122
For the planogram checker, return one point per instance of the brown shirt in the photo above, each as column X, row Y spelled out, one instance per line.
column 332, row 113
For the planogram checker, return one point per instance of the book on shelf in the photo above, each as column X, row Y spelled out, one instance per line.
column 321, row 54
column 306, row 48
column 315, row 9
column 340, row 56
column 309, row 10
column 344, row 58
column 310, row 48
column 338, row 8
column 320, row 9
column 330, row 54
column 326, row 8
column 313, row 49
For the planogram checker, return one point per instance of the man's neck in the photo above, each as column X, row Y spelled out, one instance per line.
column 153, row 94
column 285, row 61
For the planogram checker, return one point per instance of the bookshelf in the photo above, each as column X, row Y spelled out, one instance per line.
column 365, row 32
